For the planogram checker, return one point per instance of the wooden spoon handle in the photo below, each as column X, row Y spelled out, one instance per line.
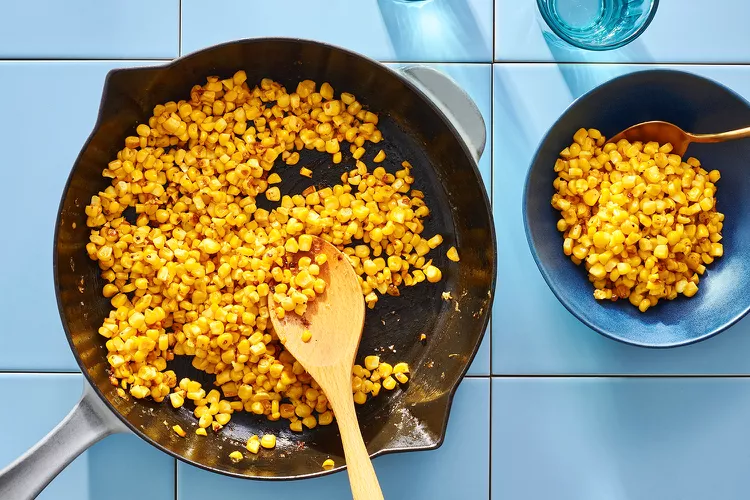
column 721, row 137
column 362, row 477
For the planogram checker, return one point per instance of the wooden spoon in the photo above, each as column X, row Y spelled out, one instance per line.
column 663, row 132
column 335, row 320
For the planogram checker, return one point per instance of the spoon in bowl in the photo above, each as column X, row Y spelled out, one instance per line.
column 335, row 320
column 663, row 132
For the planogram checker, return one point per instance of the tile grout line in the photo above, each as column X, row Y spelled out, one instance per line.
column 179, row 53
column 619, row 63
column 38, row 372
column 179, row 29
column 494, row 29
column 489, row 443
column 653, row 376
column 83, row 59
column 436, row 63
column 492, row 198
column 442, row 63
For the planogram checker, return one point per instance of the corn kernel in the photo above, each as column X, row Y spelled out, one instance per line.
column 253, row 444
column 389, row 383
column 453, row 254
column 661, row 251
column 274, row 178
column 433, row 274
column 401, row 368
column 268, row 441
column 372, row 362
column 325, row 418
column 176, row 399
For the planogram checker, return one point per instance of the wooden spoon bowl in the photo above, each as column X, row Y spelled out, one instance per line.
column 335, row 320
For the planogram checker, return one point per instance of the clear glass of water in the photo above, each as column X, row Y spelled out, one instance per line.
column 597, row 24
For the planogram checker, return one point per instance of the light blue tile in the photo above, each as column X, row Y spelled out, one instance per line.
column 459, row 469
column 90, row 29
column 476, row 80
column 77, row 92
column 53, row 109
column 118, row 468
column 389, row 30
column 532, row 332
column 481, row 363
column 681, row 31
column 620, row 439
column 154, row 470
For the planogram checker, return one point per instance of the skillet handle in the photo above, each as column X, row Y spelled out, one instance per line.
column 453, row 102
column 88, row 422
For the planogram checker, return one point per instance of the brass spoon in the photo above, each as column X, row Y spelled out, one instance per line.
column 663, row 132
column 335, row 320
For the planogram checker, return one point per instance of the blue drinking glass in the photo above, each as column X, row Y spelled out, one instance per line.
column 596, row 24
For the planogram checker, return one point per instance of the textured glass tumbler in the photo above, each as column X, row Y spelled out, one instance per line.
column 596, row 24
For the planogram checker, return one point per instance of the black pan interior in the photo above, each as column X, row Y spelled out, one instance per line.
column 413, row 130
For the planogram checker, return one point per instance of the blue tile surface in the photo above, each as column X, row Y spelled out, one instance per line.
column 681, row 31
column 120, row 467
column 57, row 102
column 389, row 30
column 459, row 469
column 532, row 332
column 481, row 364
column 553, row 439
column 73, row 29
column 620, row 439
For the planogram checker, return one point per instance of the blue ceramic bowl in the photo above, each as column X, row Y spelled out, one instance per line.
column 698, row 105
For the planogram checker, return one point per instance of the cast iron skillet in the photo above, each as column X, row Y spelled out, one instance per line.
column 426, row 119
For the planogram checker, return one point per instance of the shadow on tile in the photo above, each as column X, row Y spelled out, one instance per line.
column 114, row 456
column 580, row 78
column 446, row 28
column 507, row 104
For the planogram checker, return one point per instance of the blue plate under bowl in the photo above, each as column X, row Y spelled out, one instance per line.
column 697, row 105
